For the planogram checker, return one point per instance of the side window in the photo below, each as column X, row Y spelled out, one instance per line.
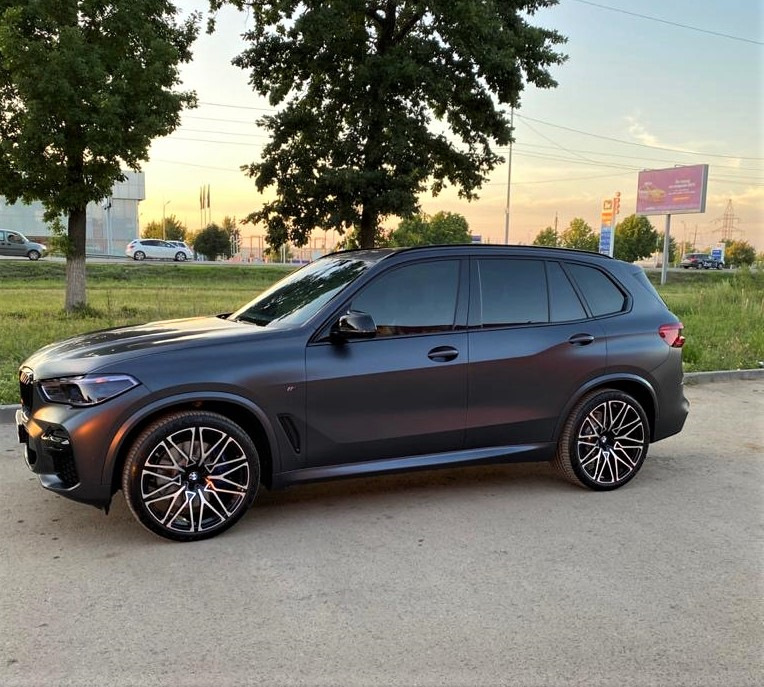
column 2, row 236
column 564, row 304
column 414, row 299
column 602, row 295
column 14, row 238
column 512, row 292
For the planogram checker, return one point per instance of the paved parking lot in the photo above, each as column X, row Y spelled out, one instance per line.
column 483, row 576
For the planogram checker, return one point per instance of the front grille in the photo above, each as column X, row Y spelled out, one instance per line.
column 26, row 380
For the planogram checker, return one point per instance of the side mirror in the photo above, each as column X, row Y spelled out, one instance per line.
column 354, row 325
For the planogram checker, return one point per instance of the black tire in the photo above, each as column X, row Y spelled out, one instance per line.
column 198, row 487
column 180, row 256
column 33, row 254
column 139, row 255
column 604, row 441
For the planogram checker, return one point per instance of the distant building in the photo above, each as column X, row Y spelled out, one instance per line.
column 111, row 224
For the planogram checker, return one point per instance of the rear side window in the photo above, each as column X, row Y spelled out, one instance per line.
column 564, row 304
column 512, row 292
column 602, row 295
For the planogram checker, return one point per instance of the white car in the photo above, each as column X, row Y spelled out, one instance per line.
column 140, row 249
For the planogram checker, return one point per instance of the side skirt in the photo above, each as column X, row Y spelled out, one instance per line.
column 519, row 453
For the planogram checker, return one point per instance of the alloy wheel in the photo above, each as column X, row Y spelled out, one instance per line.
column 611, row 442
column 195, row 480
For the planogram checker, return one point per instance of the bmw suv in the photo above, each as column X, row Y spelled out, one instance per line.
column 361, row 363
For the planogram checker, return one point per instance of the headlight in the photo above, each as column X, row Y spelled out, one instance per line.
column 86, row 390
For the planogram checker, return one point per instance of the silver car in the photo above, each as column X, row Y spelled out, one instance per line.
column 16, row 244
column 140, row 249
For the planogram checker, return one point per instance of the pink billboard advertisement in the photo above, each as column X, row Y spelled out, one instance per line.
column 672, row 191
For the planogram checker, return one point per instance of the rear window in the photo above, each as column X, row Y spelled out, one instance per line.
column 602, row 295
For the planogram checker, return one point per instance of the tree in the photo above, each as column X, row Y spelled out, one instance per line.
column 173, row 230
column 635, row 238
column 213, row 241
column 231, row 228
column 546, row 237
column 423, row 230
column 85, row 86
column 383, row 100
column 580, row 235
column 739, row 253
column 674, row 248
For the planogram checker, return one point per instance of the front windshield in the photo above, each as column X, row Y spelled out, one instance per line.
column 296, row 298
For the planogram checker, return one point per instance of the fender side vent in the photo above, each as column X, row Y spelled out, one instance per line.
column 290, row 429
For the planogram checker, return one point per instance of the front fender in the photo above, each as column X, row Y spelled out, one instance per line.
column 146, row 412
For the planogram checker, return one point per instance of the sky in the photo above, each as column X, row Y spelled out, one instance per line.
column 647, row 85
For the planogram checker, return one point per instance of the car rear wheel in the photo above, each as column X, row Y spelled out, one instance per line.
column 33, row 255
column 191, row 475
column 604, row 441
column 139, row 255
column 180, row 256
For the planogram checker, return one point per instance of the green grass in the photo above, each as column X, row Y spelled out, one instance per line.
column 723, row 312
column 32, row 301
column 723, row 317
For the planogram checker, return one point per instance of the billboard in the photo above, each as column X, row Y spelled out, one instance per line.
column 672, row 191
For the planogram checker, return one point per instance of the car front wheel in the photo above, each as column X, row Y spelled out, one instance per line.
column 191, row 475
column 180, row 256
column 33, row 255
column 604, row 441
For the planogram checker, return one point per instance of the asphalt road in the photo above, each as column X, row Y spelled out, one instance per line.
column 483, row 576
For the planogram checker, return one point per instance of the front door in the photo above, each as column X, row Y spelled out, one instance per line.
column 404, row 392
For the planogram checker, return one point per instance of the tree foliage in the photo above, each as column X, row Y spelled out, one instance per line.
column 580, row 235
column 174, row 229
column 635, row 238
column 739, row 253
column 85, row 86
column 213, row 241
column 425, row 230
column 383, row 100
column 547, row 237
column 674, row 247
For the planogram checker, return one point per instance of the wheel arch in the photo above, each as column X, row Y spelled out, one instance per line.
column 244, row 413
column 637, row 387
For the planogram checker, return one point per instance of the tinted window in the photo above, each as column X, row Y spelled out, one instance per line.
column 415, row 299
column 602, row 295
column 296, row 298
column 564, row 304
column 512, row 292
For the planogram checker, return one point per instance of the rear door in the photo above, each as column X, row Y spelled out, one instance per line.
column 532, row 345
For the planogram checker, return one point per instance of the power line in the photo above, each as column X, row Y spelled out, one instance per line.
column 671, row 23
column 632, row 143
column 239, row 107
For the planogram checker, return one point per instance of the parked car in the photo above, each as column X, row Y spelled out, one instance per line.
column 140, row 249
column 360, row 363
column 701, row 261
column 16, row 244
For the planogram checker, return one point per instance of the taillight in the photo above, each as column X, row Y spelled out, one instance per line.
column 672, row 334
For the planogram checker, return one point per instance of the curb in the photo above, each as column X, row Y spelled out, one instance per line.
column 8, row 413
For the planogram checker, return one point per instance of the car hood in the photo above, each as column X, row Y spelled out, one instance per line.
column 89, row 352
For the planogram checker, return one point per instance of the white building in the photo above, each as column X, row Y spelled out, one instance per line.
column 111, row 224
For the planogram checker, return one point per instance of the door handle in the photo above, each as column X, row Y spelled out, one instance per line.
column 581, row 339
column 442, row 354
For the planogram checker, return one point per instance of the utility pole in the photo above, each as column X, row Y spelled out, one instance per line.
column 555, row 229
column 509, row 175
column 728, row 220
column 164, row 230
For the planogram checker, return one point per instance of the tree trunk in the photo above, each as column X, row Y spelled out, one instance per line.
column 367, row 233
column 76, row 295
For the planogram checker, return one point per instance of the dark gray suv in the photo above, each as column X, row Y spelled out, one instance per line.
column 360, row 363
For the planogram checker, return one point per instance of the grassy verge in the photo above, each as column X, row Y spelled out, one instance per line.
column 723, row 312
